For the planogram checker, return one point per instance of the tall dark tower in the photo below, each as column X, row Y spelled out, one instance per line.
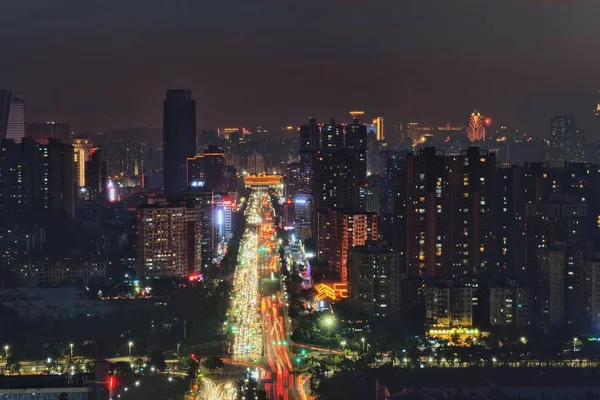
column 179, row 139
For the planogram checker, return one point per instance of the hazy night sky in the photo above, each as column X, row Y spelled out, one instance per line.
column 106, row 64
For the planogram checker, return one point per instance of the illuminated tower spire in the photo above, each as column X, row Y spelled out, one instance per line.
column 475, row 127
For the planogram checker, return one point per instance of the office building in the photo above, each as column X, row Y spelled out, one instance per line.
column 223, row 212
column 12, row 116
column 41, row 132
column 179, row 139
column 207, row 170
column 346, row 230
column 374, row 281
column 168, row 240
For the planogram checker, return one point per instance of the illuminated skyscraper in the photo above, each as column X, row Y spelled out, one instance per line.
column 82, row 149
column 179, row 139
column 378, row 122
column 597, row 110
column 476, row 127
column 12, row 116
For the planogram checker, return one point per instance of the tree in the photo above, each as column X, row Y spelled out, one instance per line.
column 157, row 360
column 213, row 363
column 13, row 365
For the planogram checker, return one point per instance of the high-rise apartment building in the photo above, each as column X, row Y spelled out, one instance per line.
column 205, row 201
column 41, row 132
column 592, row 282
column 445, row 213
column 332, row 136
column 179, row 139
column 310, row 142
column 129, row 157
column 37, row 179
column 168, row 240
column 374, row 281
column 510, row 306
column 207, row 170
column 95, row 176
column 293, row 180
column 348, row 229
column 356, row 148
column 448, row 305
column 255, row 164
column 565, row 141
column 12, row 116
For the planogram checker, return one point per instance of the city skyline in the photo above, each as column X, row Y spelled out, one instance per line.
column 422, row 61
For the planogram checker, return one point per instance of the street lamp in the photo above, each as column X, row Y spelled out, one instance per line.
column 130, row 345
column 178, row 344
column 71, row 348
column 343, row 344
column 363, row 343
column 6, row 347
column 575, row 344
column 523, row 340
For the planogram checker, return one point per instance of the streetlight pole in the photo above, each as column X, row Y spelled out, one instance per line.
column 363, row 344
column 178, row 344
column 6, row 347
column 130, row 345
column 71, row 348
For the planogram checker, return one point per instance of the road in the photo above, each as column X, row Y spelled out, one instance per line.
column 258, row 318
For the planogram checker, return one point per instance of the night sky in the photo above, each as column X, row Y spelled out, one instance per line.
column 106, row 64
